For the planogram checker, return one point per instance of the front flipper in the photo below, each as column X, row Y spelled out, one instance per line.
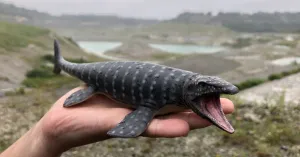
column 79, row 96
column 134, row 124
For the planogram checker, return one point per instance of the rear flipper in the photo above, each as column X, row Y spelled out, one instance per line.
column 134, row 124
column 79, row 96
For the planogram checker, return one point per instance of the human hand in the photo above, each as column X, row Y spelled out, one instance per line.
column 89, row 122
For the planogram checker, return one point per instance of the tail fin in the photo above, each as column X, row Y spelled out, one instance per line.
column 57, row 58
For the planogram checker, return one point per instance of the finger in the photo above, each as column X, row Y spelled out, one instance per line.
column 167, row 128
column 227, row 105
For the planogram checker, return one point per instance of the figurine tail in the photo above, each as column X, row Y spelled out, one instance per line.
column 57, row 58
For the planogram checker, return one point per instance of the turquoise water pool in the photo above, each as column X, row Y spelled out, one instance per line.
column 175, row 48
column 99, row 47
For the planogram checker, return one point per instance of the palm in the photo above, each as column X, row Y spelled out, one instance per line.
column 89, row 122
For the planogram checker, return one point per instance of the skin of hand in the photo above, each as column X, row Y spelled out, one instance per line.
column 63, row 128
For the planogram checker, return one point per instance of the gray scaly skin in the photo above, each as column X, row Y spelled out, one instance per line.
column 147, row 88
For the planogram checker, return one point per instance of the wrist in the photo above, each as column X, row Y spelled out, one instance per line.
column 42, row 144
column 33, row 144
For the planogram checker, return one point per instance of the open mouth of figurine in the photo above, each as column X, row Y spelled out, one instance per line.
column 208, row 106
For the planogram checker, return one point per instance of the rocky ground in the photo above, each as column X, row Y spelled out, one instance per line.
column 204, row 64
column 288, row 87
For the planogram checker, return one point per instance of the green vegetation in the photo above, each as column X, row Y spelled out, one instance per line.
column 239, row 43
column 275, row 77
column 3, row 145
column 291, row 44
column 43, row 74
column 17, row 36
column 250, row 83
column 264, row 129
column 18, row 91
column 257, row 81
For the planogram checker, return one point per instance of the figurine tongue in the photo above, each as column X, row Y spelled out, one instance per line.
column 209, row 107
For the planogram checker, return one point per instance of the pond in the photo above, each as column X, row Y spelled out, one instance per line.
column 177, row 48
column 99, row 47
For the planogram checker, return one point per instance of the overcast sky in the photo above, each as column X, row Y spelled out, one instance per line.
column 160, row 9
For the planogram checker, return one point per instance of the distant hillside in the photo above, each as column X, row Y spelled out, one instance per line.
column 23, row 47
column 257, row 22
column 9, row 12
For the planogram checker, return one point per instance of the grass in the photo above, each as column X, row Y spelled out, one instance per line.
column 17, row 35
column 54, row 82
column 277, row 128
column 43, row 76
column 18, row 91
column 3, row 145
column 250, row 83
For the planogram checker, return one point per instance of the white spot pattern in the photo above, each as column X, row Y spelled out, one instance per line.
column 89, row 77
column 72, row 67
column 108, row 71
column 82, row 70
column 133, row 84
column 123, row 81
column 166, row 79
column 97, row 82
column 113, row 82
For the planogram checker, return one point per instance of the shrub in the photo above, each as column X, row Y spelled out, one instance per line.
column 42, row 72
column 33, row 82
column 239, row 43
column 275, row 77
column 48, row 57
column 78, row 60
column 250, row 83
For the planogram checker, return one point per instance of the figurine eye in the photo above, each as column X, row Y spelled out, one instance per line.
column 201, row 84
